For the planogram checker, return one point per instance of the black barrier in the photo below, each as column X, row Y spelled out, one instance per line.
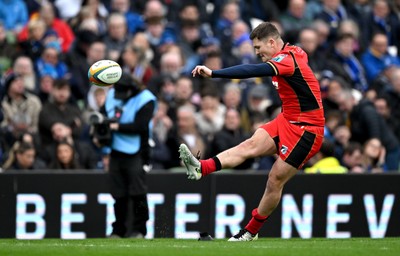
column 78, row 205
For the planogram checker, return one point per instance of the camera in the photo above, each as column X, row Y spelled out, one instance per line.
column 100, row 126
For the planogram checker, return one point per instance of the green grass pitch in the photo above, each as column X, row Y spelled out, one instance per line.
column 177, row 247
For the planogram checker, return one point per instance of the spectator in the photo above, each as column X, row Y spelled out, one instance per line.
column 84, row 153
column 189, row 40
column 382, row 107
column 159, row 32
column 230, row 135
column 13, row 14
column 352, row 157
column 333, row 12
column 23, row 157
column 325, row 161
column 186, row 131
column 210, row 117
column 23, row 66
column 33, row 45
column 257, row 102
column 341, row 136
column 294, row 19
column 381, row 19
column 86, row 19
column 79, row 50
column 184, row 94
column 243, row 51
column 96, row 98
column 374, row 156
column 80, row 84
column 349, row 26
column 134, row 61
column 58, row 109
column 140, row 40
column 376, row 59
column 240, row 30
column 171, row 65
column 20, row 108
column 223, row 29
column 46, row 83
column 97, row 7
column 66, row 158
column 331, row 87
column 90, row 16
column 51, row 58
column 333, row 119
column 323, row 30
column 117, row 36
column 62, row 29
column 214, row 60
column 134, row 20
column 392, row 95
column 162, row 125
column 308, row 41
column 232, row 98
column 366, row 123
column 359, row 11
column 195, row 10
column 262, row 10
column 168, row 90
column 343, row 62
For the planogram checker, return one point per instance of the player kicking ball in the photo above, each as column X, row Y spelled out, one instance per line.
column 296, row 134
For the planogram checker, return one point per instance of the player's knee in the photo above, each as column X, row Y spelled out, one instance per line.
column 250, row 148
column 276, row 179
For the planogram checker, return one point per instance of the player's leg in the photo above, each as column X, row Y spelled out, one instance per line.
column 279, row 175
column 259, row 144
column 297, row 145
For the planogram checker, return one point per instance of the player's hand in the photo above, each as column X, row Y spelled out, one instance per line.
column 202, row 70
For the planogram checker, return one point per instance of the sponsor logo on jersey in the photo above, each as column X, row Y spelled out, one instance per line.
column 279, row 58
column 284, row 149
column 275, row 84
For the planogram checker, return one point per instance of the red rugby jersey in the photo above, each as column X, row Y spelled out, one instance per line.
column 297, row 86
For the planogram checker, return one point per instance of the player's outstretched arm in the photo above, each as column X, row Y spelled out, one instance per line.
column 237, row 72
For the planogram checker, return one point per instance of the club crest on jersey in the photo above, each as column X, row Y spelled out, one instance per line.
column 279, row 58
column 284, row 149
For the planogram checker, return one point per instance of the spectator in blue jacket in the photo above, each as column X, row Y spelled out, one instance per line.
column 134, row 20
column 13, row 14
column 376, row 58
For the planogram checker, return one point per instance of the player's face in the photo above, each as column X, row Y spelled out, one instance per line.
column 265, row 48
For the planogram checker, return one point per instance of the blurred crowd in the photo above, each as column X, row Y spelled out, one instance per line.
column 47, row 47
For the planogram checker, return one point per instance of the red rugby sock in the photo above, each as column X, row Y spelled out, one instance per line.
column 210, row 165
column 256, row 222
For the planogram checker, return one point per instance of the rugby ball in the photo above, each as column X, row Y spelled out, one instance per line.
column 104, row 73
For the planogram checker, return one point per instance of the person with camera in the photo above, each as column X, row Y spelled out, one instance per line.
column 129, row 109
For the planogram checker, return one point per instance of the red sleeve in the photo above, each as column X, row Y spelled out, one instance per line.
column 283, row 64
column 65, row 32
column 23, row 34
